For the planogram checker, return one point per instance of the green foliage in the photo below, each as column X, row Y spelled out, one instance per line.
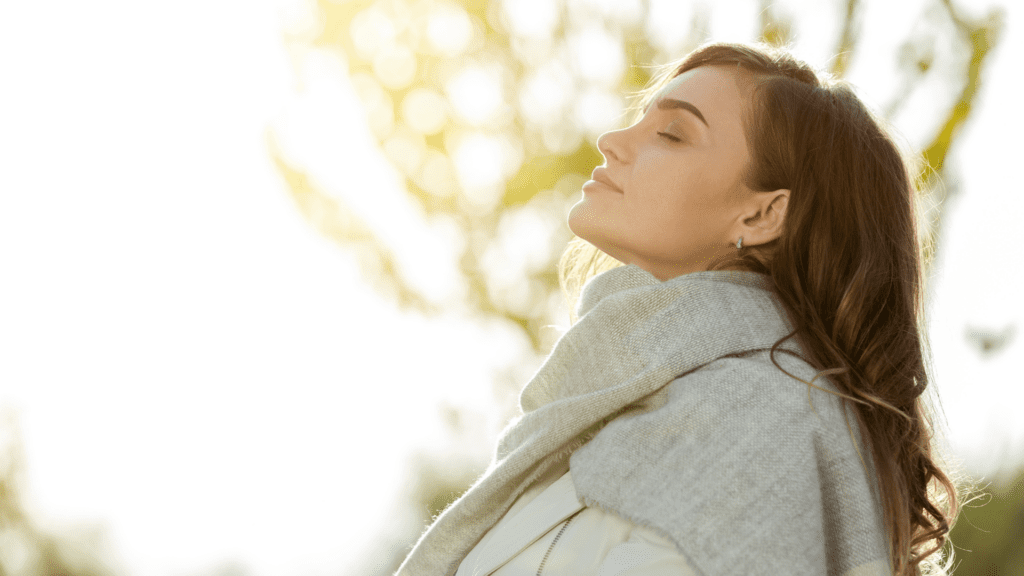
column 988, row 535
column 543, row 172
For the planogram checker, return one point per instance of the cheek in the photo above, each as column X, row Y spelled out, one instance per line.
column 691, row 208
column 675, row 194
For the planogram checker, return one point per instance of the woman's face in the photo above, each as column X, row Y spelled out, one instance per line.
column 680, row 200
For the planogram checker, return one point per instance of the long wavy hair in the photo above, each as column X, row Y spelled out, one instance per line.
column 849, row 269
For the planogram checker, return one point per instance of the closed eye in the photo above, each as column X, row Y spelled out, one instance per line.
column 670, row 137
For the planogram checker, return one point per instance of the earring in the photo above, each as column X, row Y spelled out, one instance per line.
column 739, row 243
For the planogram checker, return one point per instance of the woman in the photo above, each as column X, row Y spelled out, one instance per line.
column 751, row 233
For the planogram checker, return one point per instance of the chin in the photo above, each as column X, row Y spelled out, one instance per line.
column 583, row 222
column 589, row 234
column 574, row 224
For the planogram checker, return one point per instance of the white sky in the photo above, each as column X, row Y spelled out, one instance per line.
column 199, row 373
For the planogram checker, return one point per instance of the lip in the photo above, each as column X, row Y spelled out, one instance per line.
column 601, row 175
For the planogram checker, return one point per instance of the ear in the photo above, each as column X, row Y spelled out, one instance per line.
column 763, row 217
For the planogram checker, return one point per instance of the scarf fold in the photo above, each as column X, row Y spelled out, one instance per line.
column 672, row 416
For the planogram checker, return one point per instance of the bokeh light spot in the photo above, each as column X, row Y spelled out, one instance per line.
column 437, row 175
column 406, row 149
column 425, row 110
column 395, row 66
column 477, row 93
column 478, row 160
column 599, row 111
column 597, row 55
column 371, row 30
column 449, row 30
column 482, row 163
column 624, row 12
column 530, row 18
column 545, row 93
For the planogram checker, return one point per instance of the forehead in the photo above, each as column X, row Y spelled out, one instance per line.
column 713, row 86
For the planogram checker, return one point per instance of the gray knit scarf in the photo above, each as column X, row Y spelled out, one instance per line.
column 673, row 416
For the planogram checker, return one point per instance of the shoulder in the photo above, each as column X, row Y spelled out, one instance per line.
column 749, row 396
column 735, row 440
column 741, row 412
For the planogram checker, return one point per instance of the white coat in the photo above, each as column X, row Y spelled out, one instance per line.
column 548, row 532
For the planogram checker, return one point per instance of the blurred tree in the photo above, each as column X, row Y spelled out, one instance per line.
column 491, row 113
column 491, row 117
column 26, row 550
column 977, row 38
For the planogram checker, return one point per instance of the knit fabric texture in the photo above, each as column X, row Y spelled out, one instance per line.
column 673, row 416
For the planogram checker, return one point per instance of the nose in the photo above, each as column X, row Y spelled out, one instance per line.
column 610, row 144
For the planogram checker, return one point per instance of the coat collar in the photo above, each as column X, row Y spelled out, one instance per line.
column 512, row 535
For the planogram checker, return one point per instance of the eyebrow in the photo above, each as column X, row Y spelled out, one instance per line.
column 673, row 104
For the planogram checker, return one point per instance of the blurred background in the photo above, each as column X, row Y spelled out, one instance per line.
column 274, row 271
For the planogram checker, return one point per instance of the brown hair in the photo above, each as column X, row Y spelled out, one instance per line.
column 848, row 268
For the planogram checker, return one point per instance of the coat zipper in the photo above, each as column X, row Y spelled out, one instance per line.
column 553, row 542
